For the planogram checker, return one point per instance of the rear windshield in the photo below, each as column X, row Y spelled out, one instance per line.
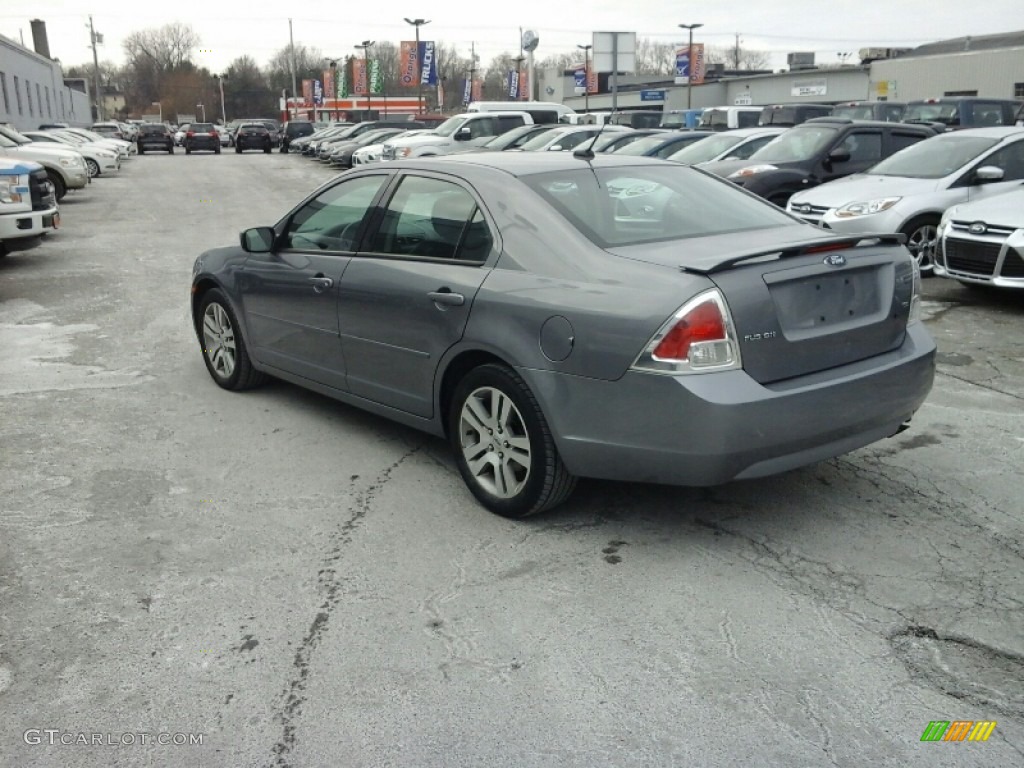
column 947, row 112
column 258, row 127
column 934, row 158
column 152, row 129
column 862, row 112
column 201, row 127
column 801, row 143
column 650, row 203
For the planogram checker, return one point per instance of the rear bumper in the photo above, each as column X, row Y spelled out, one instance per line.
column 709, row 429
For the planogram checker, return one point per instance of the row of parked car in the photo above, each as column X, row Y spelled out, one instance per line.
column 39, row 168
column 839, row 173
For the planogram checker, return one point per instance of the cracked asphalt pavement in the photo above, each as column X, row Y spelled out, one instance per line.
column 303, row 584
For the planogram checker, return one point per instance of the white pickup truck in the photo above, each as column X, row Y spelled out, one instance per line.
column 466, row 130
column 28, row 208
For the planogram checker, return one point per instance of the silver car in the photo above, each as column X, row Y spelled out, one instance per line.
column 909, row 191
column 727, row 145
column 556, row 316
column 982, row 243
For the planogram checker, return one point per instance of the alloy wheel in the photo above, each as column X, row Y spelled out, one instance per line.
column 494, row 442
column 921, row 243
column 219, row 340
column 93, row 167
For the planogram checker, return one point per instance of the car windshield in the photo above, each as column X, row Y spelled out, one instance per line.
column 542, row 140
column 939, row 112
column 801, row 143
column 641, row 147
column 449, row 126
column 13, row 135
column 651, row 203
column 705, row 149
column 861, row 112
column 618, row 139
column 935, row 157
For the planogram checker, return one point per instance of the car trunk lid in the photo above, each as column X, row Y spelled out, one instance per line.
column 809, row 306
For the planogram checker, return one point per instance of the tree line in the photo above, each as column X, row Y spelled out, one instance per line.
column 160, row 68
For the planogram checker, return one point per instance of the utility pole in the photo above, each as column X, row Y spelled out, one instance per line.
column 736, row 53
column 96, row 73
column 291, row 64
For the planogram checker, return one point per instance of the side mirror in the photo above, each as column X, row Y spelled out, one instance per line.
column 988, row 173
column 555, row 148
column 257, row 240
column 839, row 155
column 463, row 134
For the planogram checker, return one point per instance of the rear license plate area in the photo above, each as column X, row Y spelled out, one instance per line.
column 806, row 306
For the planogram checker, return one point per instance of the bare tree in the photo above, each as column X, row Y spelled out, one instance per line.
column 167, row 47
column 737, row 57
column 246, row 91
column 310, row 63
column 495, row 86
column 561, row 61
column 654, row 58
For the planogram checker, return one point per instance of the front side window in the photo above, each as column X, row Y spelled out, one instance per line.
column 434, row 219
column 1011, row 159
column 650, row 203
column 864, row 148
column 331, row 220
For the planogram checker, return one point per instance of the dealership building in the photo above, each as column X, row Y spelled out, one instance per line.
column 989, row 66
column 33, row 89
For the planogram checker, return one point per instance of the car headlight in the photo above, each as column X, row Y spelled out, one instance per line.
column 67, row 162
column 9, row 188
column 752, row 170
column 106, row 154
column 867, row 207
column 403, row 152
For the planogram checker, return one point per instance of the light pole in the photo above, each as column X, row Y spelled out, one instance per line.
column 365, row 47
column 689, row 66
column 519, row 66
column 586, row 76
column 223, row 109
column 161, row 107
column 419, row 75
column 202, row 107
column 334, row 84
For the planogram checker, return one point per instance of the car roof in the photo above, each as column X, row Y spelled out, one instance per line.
column 992, row 132
column 524, row 163
column 861, row 123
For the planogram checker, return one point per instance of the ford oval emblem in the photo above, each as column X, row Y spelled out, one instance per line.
column 978, row 228
column 835, row 260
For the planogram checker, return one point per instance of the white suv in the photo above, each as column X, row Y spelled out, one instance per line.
column 470, row 129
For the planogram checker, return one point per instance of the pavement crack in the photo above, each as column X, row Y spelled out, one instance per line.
column 989, row 387
column 329, row 584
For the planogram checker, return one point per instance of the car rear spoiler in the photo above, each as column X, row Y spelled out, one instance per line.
column 774, row 254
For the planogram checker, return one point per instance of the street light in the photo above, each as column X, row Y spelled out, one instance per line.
column 419, row 75
column 334, row 84
column 365, row 47
column 161, row 106
column 223, row 110
column 689, row 66
column 586, row 76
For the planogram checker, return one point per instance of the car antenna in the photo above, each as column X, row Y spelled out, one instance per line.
column 586, row 151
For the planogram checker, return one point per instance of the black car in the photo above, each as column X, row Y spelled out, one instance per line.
column 954, row 113
column 155, row 136
column 253, row 136
column 792, row 114
column 662, row 144
column 294, row 129
column 819, row 150
column 202, row 136
column 341, row 153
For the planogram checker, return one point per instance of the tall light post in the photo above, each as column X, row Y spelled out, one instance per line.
column 689, row 66
column 419, row 75
column 334, row 84
column 161, row 106
column 202, row 107
column 586, row 76
column 223, row 109
column 365, row 47
column 519, row 66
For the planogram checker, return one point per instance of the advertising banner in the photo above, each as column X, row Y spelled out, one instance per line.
column 359, row 77
column 684, row 72
column 376, row 81
column 408, row 64
column 428, row 63
column 318, row 93
column 524, row 87
column 579, row 77
column 467, row 91
column 512, row 84
column 329, row 86
column 343, row 82
column 307, row 92
column 478, row 90
column 592, row 81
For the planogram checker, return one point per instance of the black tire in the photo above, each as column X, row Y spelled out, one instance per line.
column 242, row 375
column 142, row 150
column 283, row 150
column 267, row 150
column 188, row 151
column 780, row 198
column 216, row 151
column 917, row 232
column 59, row 187
column 546, row 483
column 238, row 150
column 170, row 150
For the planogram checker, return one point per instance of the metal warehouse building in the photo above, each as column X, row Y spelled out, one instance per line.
column 33, row 90
column 990, row 66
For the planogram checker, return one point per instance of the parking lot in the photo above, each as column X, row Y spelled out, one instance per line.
column 294, row 582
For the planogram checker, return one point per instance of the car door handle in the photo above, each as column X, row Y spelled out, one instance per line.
column 321, row 283
column 447, row 298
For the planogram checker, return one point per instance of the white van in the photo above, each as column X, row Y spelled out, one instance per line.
column 728, row 118
column 540, row 111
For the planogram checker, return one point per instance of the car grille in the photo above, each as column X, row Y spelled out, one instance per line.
column 41, row 191
column 971, row 256
column 807, row 210
column 990, row 229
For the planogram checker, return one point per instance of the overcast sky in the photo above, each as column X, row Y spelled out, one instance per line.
column 231, row 28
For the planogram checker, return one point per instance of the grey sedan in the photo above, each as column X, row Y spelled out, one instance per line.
column 556, row 316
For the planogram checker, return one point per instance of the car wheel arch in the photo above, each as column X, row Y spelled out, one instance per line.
column 453, row 371
column 921, row 215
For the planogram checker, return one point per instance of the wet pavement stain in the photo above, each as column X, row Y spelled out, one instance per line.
column 920, row 441
column 610, row 551
column 953, row 358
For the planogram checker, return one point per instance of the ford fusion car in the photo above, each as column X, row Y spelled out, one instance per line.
column 557, row 316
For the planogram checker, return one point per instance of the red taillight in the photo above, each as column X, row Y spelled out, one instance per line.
column 214, row 134
column 190, row 134
column 828, row 247
column 702, row 323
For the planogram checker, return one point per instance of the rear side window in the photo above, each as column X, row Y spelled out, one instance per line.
column 863, row 147
column 482, row 127
column 899, row 140
column 508, row 122
column 987, row 113
column 747, row 119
